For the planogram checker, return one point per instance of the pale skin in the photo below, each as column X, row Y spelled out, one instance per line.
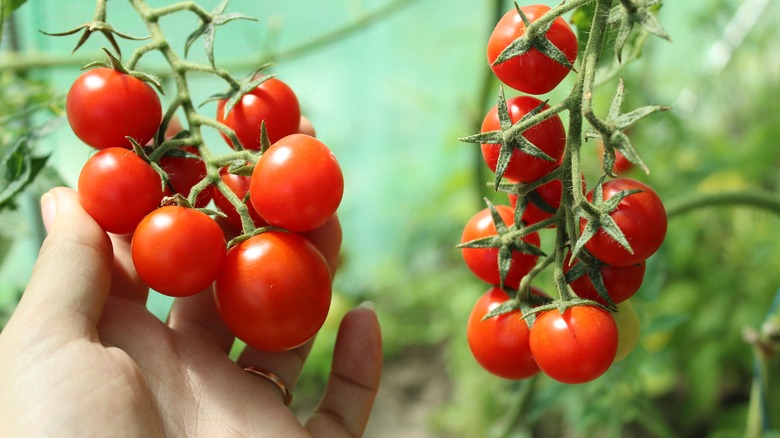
column 82, row 356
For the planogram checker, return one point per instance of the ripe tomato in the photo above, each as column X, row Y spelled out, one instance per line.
column 532, row 72
column 297, row 183
column 327, row 239
column 483, row 262
column 549, row 194
column 185, row 172
column 574, row 347
column 118, row 188
column 178, row 251
column 500, row 344
column 239, row 185
column 627, row 321
column 274, row 102
column 274, row 290
column 640, row 216
column 549, row 136
column 621, row 282
column 104, row 106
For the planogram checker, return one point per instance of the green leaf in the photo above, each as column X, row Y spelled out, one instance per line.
column 18, row 168
column 7, row 8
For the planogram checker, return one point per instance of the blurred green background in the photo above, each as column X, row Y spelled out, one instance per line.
column 390, row 85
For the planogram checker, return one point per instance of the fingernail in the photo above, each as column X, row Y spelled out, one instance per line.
column 368, row 305
column 48, row 209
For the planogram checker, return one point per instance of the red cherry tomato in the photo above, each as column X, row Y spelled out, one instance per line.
column 297, row 183
column 574, row 347
column 118, row 188
column 532, row 72
column 274, row 290
column 621, row 282
column 104, row 106
column 483, row 262
column 272, row 102
column 239, row 185
column 178, row 251
column 500, row 344
column 185, row 172
column 549, row 136
column 642, row 218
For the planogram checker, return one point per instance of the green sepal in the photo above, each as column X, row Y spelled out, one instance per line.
column 208, row 29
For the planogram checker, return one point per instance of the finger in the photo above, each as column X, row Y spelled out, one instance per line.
column 285, row 364
column 72, row 276
column 125, row 281
column 197, row 316
column 354, row 377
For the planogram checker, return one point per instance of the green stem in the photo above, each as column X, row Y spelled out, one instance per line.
column 760, row 200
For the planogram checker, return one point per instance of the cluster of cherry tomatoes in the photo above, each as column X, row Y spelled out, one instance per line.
column 571, row 340
column 273, row 286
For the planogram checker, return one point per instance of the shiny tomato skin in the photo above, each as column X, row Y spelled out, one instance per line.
column 178, row 251
column 532, row 72
column 575, row 347
column 104, row 106
column 297, row 183
column 642, row 218
column 118, row 188
column 483, row 262
column 272, row 102
column 274, row 290
column 549, row 136
column 185, row 172
column 239, row 185
column 500, row 344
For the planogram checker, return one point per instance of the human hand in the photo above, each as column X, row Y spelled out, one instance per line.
column 82, row 355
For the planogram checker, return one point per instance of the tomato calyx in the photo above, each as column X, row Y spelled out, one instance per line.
column 534, row 37
column 507, row 240
column 597, row 215
column 208, row 26
column 98, row 24
column 115, row 64
column 240, row 88
column 613, row 131
column 509, row 137
column 524, row 303
column 632, row 13
column 590, row 266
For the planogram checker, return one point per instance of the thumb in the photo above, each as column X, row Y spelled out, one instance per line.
column 72, row 276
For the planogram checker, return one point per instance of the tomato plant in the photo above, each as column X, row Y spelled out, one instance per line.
column 483, row 262
column 575, row 346
column 532, row 72
column 184, row 172
column 640, row 216
column 500, row 344
column 118, row 188
column 274, row 290
column 272, row 102
column 178, row 251
column 104, row 106
column 297, row 183
column 549, row 136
